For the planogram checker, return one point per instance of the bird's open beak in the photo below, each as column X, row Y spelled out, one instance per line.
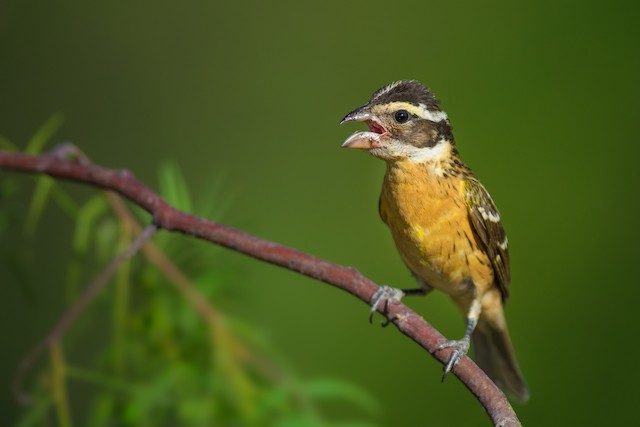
column 362, row 139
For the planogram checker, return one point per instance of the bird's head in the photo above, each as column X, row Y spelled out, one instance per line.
column 405, row 122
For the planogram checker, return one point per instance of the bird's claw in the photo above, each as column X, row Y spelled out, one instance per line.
column 387, row 294
column 460, row 349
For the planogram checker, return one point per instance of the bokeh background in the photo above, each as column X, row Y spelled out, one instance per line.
column 543, row 97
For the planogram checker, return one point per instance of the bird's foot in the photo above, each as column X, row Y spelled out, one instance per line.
column 460, row 348
column 384, row 294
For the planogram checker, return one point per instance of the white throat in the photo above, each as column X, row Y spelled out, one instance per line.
column 434, row 154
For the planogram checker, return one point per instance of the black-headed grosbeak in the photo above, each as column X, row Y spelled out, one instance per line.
column 443, row 222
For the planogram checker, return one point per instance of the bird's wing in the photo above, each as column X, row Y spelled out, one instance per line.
column 486, row 221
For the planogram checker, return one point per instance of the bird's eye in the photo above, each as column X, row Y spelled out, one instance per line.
column 401, row 116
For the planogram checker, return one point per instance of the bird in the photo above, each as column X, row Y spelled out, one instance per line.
column 444, row 223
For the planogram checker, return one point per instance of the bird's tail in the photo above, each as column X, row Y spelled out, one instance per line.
column 494, row 353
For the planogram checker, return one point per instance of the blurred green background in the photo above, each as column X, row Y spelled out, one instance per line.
column 245, row 97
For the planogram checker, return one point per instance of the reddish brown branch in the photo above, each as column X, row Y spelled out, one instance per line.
column 345, row 278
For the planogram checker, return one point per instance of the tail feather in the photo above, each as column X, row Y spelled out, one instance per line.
column 494, row 353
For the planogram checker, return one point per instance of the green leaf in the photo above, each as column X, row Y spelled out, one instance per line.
column 87, row 217
column 42, row 135
column 38, row 202
column 64, row 201
column 106, row 235
column 5, row 144
column 173, row 186
column 47, row 187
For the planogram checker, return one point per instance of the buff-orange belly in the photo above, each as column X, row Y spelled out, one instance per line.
column 430, row 226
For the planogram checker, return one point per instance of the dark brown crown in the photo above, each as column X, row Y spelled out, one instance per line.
column 409, row 91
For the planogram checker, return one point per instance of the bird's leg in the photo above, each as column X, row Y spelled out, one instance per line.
column 387, row 294
column 461, row 347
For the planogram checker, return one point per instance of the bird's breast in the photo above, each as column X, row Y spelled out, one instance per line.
column 429, row 222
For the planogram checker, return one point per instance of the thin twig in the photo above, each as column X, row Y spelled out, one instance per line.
column 78, row 307
column 345, row 278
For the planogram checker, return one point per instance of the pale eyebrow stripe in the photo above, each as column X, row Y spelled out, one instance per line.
column 419, row 110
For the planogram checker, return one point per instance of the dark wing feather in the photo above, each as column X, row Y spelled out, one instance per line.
column 486, row 221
